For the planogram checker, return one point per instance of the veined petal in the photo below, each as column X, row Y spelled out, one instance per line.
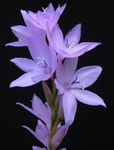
column 88, row 75
column 88, row 97
column 42, row 133
column 59, row 135
column 24, row 64
column 69, row 107
column 73, row 35
column 37, row 148
column 25, row 80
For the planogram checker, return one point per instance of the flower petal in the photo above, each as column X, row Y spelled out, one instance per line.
column 73, row 35
column 42, row 133
column 40, row 109
column 88, row 75
column 16, row 44
column 25, row 80
column 37, row 148
column 59, row 135
column 69, row 107
column 88, row 97
column 70, row 67
column 24, row 64
column 22, row 33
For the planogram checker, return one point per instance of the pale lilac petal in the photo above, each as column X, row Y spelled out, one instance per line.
column 70, row 66
column 25, row 80
column 42, row 133
column 24, row 64
column 59, row 135
column 57, row 38
column 69, row 107
column 22, row 33
column 29, row 109
column 40, row 109
column 82, row 48
column 88, row 75
column 49, row 10
column 16, row 44
column 73, row 36
column 37, row 148
column 57, row 15
column 88, row 97
column 63, row 149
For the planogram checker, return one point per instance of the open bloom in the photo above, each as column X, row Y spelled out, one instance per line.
column 71, row 85
column 70, row 46
column 42, row 131
column 43, row 62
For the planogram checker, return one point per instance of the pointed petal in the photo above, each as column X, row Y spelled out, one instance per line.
column 37, row 148
column 88, row 75
column 24, row 64
column 57, row 15
column 40, row 109
column 49, row 10
column 22, row 33
column 69, row 107
column 16, row 44
column 73, row 35
column 28, row 109
column 88, row 98
column 25, row 80
column 57, row 38
column 70, row 67
column 42, row 133
column 59, row 135
column 82, row 48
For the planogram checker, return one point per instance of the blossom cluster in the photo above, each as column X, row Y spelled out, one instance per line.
column 54, row 57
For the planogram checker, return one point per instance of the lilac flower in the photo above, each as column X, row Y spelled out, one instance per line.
column 43, row 128
column 38, row 148
column 70, row 46
column 71, row 85
column 44, row 61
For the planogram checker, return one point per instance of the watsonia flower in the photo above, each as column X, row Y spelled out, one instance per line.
column 71, row 85
column 70, row 46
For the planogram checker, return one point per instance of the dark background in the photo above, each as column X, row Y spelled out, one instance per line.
column 93, row 127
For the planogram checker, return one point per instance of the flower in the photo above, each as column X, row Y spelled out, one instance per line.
column 71, row 85
column 70, row 46
column 38, row 148
column 43, row 63
column 43, row 127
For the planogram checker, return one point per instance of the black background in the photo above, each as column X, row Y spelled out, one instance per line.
column 93, row 127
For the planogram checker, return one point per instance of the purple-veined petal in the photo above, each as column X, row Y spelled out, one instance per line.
column 59, row 135
column 24, row 64
column 88, row 75
column 69, row 107
column 73, row 35
column 16, row 44
column 25, row 80
column 88, row 97
column 42, row 133
column 37, row 148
